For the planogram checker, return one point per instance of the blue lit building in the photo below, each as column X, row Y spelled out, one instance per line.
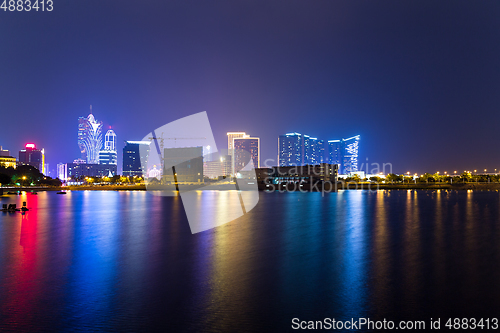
column 344, row 152
column 291, row 149
column 132, row 163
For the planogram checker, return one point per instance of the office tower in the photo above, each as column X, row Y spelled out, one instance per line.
column 109, row 155
column 110, row 140
column 187, row 162
column 334, row 151
column 231, row 136
column 313, row 151
column 291, row 149
column 32, row 156
column 344, row 152
column 90, row 138
column 350, row 149
column 252, row 148
column 135, row 163
column 230, row 145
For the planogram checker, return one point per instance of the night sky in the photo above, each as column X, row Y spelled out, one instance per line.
column 418, row 80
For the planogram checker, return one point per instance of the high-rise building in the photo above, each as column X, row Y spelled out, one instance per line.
column 350, row 149
column 108, row 155
column 32, row 156
column 344, row 152
column 90, row 138
column 62, row 171
column 252, row 148
column 297, row 149
column 314, row 151
column 110, row 140
column 334, row 151
column 230, row 145
column 291, row 149
column 231, row 136
column 134, row 163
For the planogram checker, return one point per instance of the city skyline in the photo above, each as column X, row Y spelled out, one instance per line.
column 410, row 94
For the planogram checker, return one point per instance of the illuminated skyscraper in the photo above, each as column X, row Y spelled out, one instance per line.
column 108, row 155
column 32, row 156
column 110, row 140
column 344, row 152
column 134, row 163
column 314, row 151
column 290, row 149
column 231, row 136
column 90, row 138
column 242, row 145
column 350, row 149
column 230, row 142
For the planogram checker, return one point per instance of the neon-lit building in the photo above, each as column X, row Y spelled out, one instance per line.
column 297, row 149
column 249, row 145
column 230, row 144
column 90, row 138
column 62, row 171
column 290, row 149
column 344, row 152
column 109, row 155
column 32, row 156
column 314, row 151
column 350, row 149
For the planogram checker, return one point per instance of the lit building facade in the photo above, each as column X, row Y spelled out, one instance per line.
column 90, row 138
column 290, row 149
column 249, row 145
column 350, row 149
column 230, row 144
column 314, row 151
column 134, row 163
column 78, row 171
column 8, row 162
column 297, row 149
column 220, row 168
column 62, row 171
column 33, row 156
column 108, row 155
column 344, row 152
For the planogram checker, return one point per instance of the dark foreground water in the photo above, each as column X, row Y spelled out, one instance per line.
column 127, row 261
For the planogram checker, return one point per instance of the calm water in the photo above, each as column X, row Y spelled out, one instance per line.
column 127, row 261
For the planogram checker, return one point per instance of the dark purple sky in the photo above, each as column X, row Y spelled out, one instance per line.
column 418, row 80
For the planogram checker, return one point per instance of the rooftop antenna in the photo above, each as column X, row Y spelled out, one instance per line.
column 90, row 108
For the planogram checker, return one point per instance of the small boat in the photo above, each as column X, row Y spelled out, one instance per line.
column 10, row 208
column 62, row 192
column 12, row 193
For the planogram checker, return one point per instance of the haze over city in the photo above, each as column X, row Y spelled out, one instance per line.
column 418, row 81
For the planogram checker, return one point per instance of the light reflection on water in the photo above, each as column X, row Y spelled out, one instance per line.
column 128, row 261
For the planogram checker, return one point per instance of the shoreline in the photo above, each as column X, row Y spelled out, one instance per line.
column 341, row 186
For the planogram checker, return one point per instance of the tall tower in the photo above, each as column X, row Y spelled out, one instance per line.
column 250, row 145
column 90, row 138
column 109, row 155
column 230, row 144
